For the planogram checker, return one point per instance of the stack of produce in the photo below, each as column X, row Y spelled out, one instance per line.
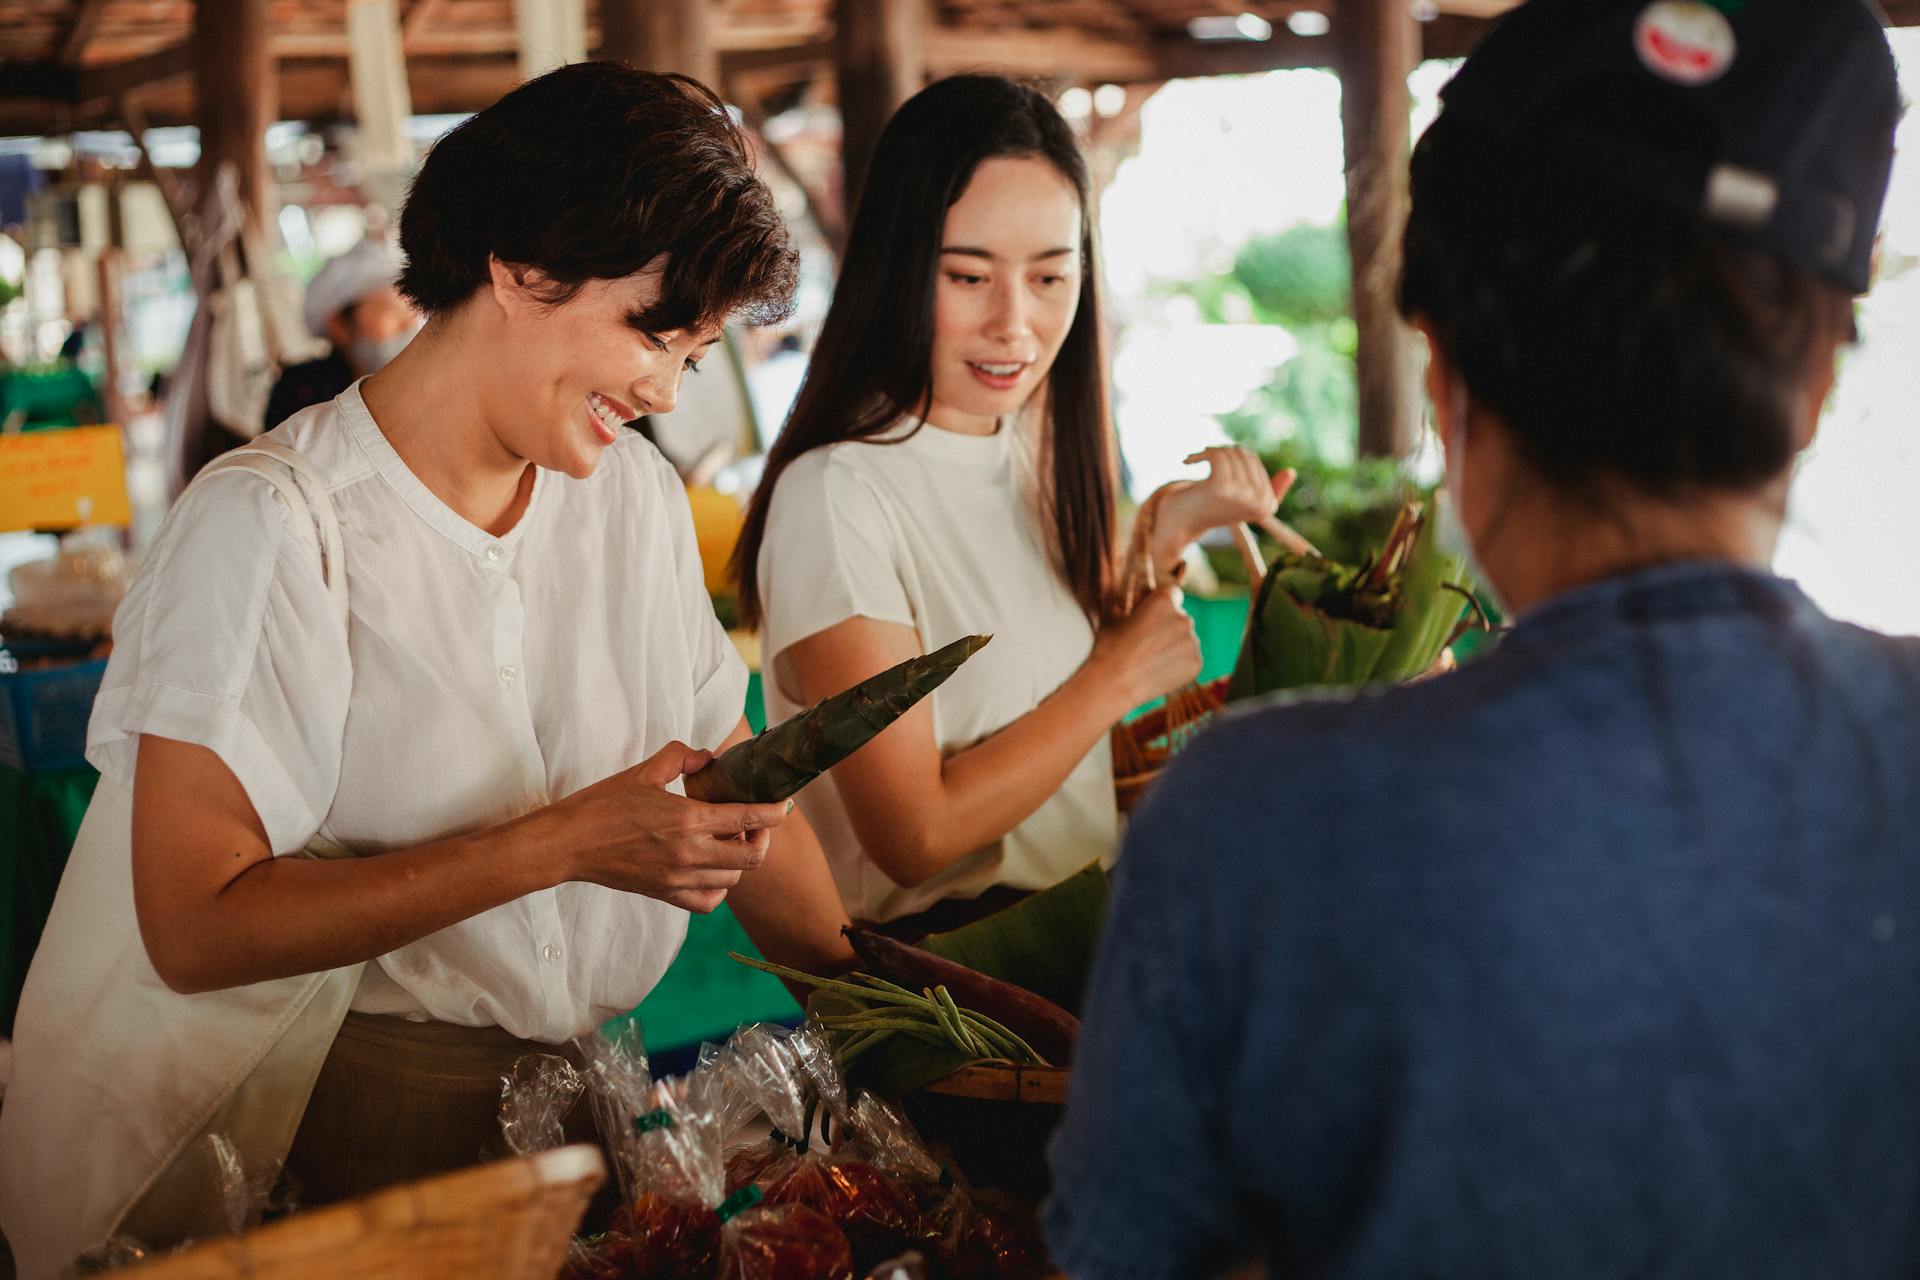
column 711, row 1199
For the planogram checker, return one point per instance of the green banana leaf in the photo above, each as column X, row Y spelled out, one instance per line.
column 1316, row 623
column 1044, row 942
column 1433, row 595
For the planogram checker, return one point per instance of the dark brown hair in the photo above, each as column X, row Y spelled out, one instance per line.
column 873, row 363
column 1615, row 339
column 591, row 172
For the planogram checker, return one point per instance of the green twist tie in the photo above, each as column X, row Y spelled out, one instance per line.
column 745, row 1198
column 651, row 1121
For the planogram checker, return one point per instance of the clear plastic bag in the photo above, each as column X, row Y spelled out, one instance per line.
column 792, row 1075
column 618, row 1081
column 988, row 1236
column 783, row 1242
column 536, row 1096
column 682, row 1223
column 110, row 1255
column 878, row 1131
column 868, row 1205
column 241, row 1197
column 245, row 1195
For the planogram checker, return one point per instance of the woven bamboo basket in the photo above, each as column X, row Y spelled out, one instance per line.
column 1143, row 746
column 509, row 1220
column 996, row 1119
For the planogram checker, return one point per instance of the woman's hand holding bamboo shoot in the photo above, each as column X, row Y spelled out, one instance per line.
column 630, row 833
column 1152, row 651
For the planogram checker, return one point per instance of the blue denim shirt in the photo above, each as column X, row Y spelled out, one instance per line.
column 1599, row 957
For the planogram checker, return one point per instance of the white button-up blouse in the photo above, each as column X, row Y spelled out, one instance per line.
column 480, row 677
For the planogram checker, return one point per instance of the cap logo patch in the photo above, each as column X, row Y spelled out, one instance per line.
column 1686, row 41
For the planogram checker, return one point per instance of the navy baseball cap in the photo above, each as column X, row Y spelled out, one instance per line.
column 1772, row 119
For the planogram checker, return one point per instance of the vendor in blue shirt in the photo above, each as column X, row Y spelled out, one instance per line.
column 1601, row 956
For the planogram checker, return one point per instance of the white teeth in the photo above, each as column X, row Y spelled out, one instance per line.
column 601, row 409
column 999, row 370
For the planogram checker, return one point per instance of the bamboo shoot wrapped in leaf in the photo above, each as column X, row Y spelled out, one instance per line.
column 1318, row 623
column 785, row 757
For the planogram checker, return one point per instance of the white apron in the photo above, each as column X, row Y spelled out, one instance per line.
column 111, row 1060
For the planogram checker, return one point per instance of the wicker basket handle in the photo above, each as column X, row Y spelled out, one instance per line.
column 1138, row 576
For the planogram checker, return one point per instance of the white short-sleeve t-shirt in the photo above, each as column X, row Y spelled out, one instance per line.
column 478, row 678
column 941, row 532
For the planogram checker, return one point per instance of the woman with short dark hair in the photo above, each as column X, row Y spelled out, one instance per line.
column 486, row 684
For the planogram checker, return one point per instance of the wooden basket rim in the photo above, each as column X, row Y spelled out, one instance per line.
column 448, row 1198
column 1006, row 1082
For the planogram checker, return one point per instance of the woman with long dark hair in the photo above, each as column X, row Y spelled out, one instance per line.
column 949, row 468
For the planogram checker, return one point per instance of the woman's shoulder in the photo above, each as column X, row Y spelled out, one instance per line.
column 327, row 436
column 833, row 477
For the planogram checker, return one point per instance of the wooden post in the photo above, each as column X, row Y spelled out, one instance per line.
column 235, row 93
column 1379, row 46
column 112, row 404
column 662, row 35
column 880, row 59
column 550, row 33
column 381, row 100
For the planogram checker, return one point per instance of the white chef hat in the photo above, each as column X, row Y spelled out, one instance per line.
column 346, row 279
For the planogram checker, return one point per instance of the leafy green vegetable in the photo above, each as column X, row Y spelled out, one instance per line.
column 1044, row 942
column 1320, row 623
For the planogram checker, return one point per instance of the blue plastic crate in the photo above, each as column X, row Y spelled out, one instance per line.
column 44, row 713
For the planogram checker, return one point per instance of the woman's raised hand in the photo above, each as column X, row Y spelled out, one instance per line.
column 629, row 832
column 1235, row 490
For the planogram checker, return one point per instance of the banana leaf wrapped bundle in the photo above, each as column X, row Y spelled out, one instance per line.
column 1319, row 623
column 783, row 758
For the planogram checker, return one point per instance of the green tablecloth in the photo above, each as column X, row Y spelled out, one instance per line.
column 39, row 815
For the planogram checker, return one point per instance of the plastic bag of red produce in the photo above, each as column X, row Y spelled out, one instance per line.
column 680, row 1223
column 987, row 1236
column 781, row 1242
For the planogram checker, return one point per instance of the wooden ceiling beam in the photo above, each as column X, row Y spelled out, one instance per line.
column 798, row 59
column 1057, row 52
column 414, row 21
column 107, row 84
column 73, row 46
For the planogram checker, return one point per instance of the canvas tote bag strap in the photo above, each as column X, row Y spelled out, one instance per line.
column 272, row 462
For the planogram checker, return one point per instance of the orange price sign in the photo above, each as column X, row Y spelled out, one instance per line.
column 61, row 478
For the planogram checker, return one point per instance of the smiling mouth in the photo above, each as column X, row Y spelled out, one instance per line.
column 1001, row 375
column 608, row 416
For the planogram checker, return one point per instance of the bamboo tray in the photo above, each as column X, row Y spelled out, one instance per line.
column 509, row 1220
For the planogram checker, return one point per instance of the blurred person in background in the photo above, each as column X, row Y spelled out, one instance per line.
column 353, row 304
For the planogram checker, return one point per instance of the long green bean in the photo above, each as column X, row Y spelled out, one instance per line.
column 885, row 1009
